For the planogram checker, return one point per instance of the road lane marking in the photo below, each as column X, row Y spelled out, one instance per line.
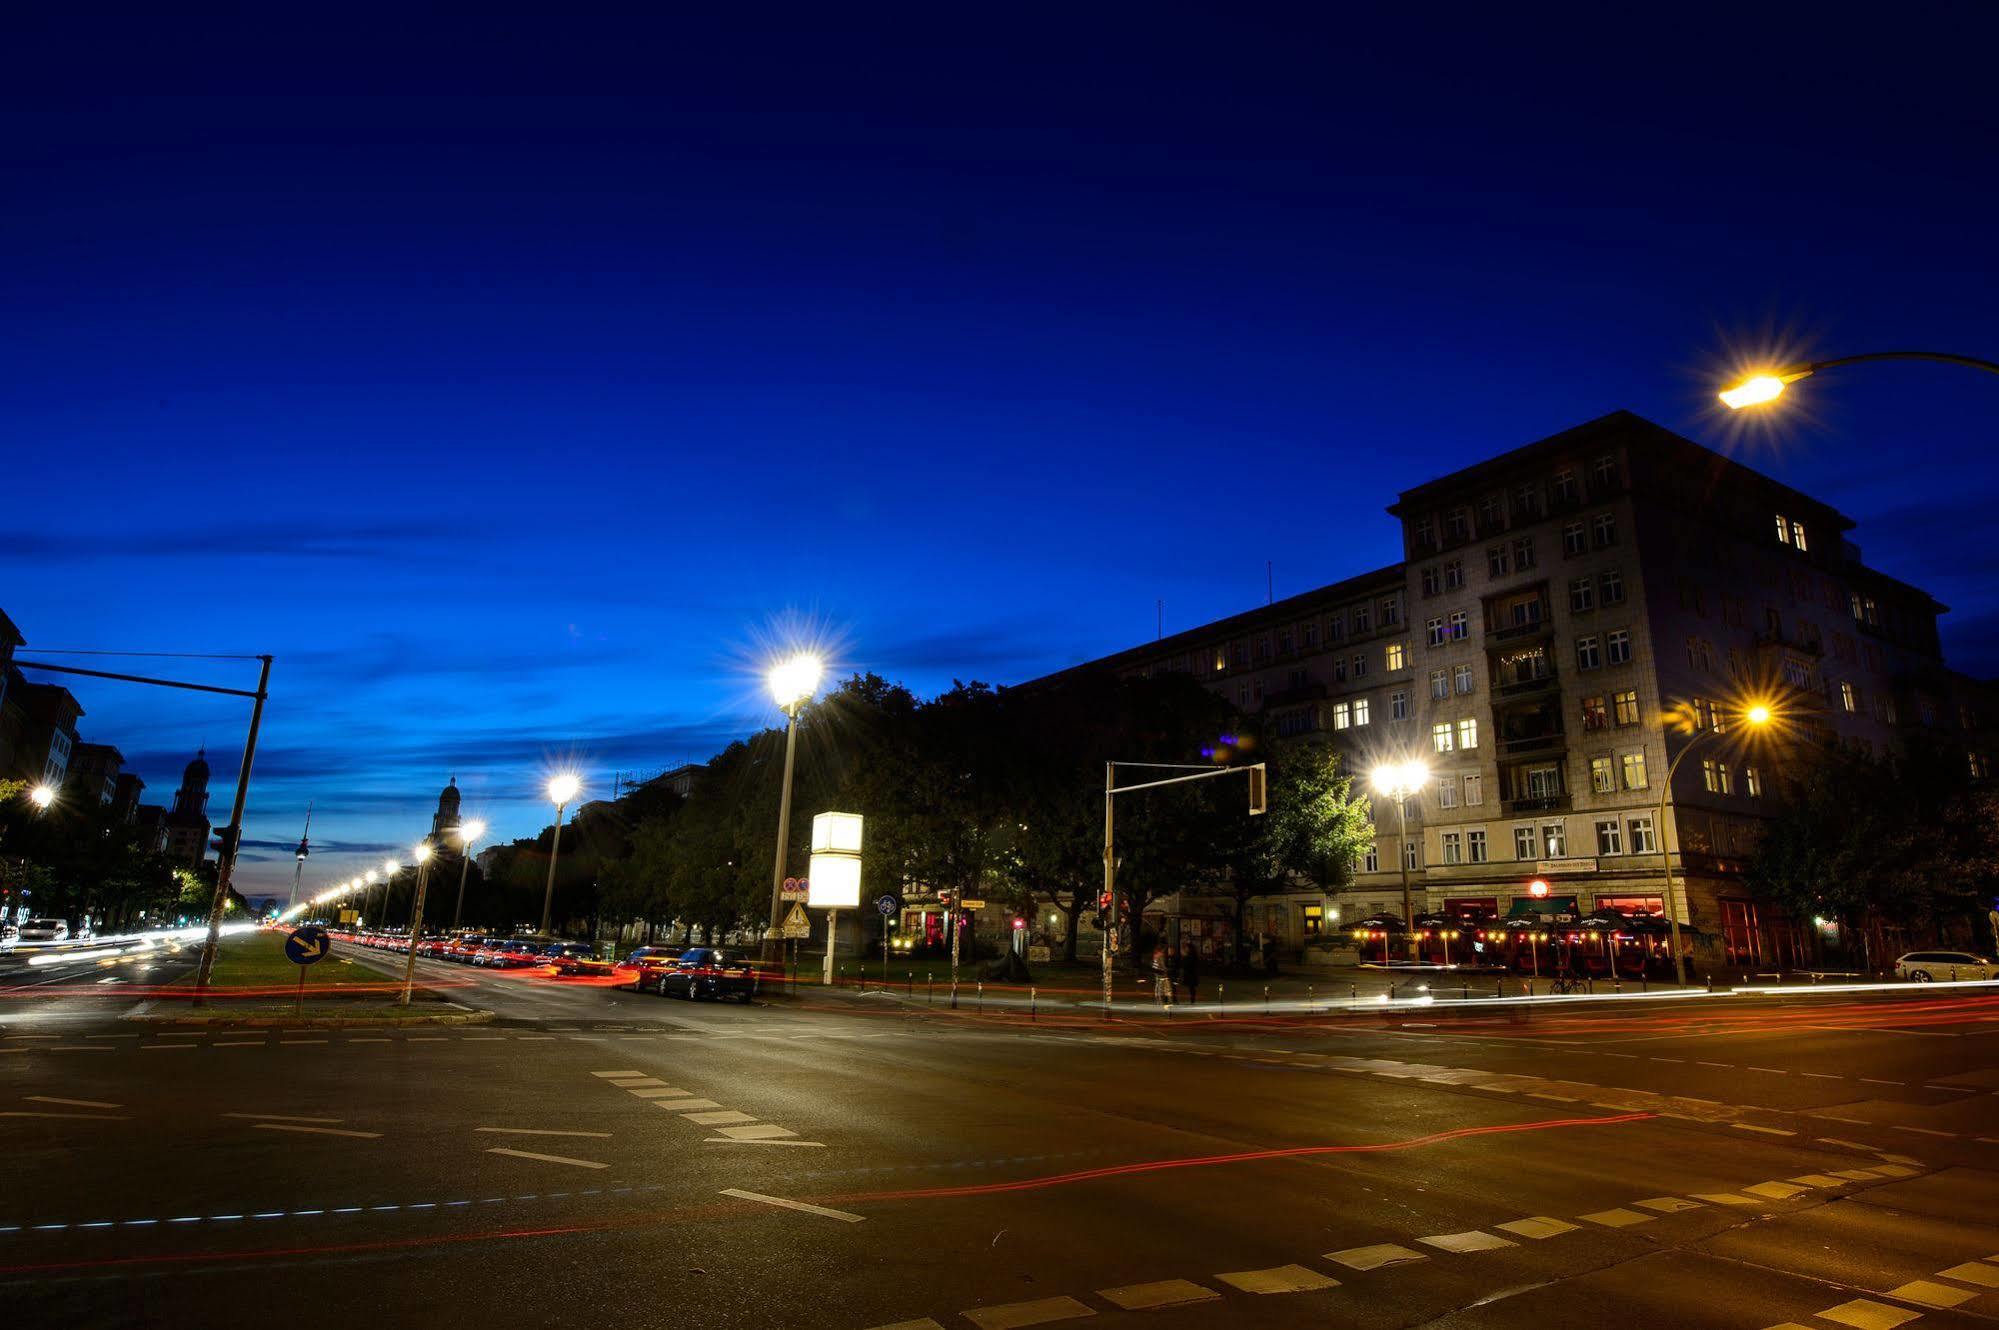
column 685, row 1105
column 538, row 1131
column 1856, row 1174
column 286, row 1043
column 608, row 1074
column 73, row 1103
column 1818, row 1180
column 278, row 1117
column 1671, row 1205
column 1895, row 1170
column 663, row 1092
column 758, row 1131
column 1767, row 1131
column 717, row 1119
column 1537, row 1227
column 1774, row 1191
column 546, row 1159
column 153, row 1046
column 1474, row 1240
column 1723, row 1198
column 1278, row 1279
column 1931, row 1294
column 920, row 1323
column 755, row 1140
column 640, row 1083
column 1867, row 1314
column 1973, row 1272
column 1015, row 1315
column 1923, row 1131
column 316, row 1131
column 1617, row 1218
column 1159, row 1293
column 1377, row 1257
column 87, row 1117
column 807, row 1208
column 237, row 1043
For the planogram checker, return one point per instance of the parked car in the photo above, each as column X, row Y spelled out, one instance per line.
column 1944, row 967
column 640, row 955
column 575, row 960
column 709, row 972
column 45, row 930
column 462, row 949
column 515, row 953
column 9, row 935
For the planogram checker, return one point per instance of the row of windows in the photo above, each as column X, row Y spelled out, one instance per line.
column 1524, row 503
column 1532, row 842
column 1614, row 648
column 1586, row 593
column 1447, row 737
column 1623, row 706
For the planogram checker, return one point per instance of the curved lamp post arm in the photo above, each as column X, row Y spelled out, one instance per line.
column 1946, row 357
column 1666, row 855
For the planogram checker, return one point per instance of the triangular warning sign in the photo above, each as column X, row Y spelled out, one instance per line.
column 796, row 924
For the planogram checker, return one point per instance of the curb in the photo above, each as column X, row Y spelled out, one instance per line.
column 480, row 1017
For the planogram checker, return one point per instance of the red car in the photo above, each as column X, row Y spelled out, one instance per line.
column 575, row 960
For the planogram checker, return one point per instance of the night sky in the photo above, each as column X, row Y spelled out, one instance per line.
column 516, row 381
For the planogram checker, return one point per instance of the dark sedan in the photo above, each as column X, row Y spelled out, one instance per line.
column 704, row 972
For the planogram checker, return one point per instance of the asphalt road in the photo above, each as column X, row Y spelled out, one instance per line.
column 600, row 1158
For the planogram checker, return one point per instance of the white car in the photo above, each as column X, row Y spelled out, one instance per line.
column 45, row 930
column 1944, row 967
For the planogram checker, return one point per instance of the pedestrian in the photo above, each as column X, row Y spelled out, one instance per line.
column 1162, row 977
column 1190, row 973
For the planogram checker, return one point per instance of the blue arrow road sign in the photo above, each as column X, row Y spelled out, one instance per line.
column 306, row 945
column 887, row 904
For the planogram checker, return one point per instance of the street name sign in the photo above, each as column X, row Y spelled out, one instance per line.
column 306, row 945
column 970, row 904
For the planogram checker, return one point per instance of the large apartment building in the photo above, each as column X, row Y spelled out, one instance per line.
column 1569, row 618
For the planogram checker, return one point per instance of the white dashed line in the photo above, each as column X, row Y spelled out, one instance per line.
column 803, row 1207
column 546, row 1159
column 72, row 1103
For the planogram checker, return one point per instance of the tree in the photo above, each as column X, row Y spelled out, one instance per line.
column 1315, row 831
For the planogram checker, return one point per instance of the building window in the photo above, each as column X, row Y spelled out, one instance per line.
column 1391, row 612
column 1440, row 737
column 1555, row 840
column 1453, row 843
column 1454, row 574
column 1783, row 530
column 1617, row 647
column 1626, row 703
column 1447, row 791
column 1641, row 835
column 1700, row 655
column 1284, row 642
column 1708, row 766
column 1523, row 554
column 1595, row 715
column 1582, row 595
column 1527, row 500
column 1726, row 781
column 1848, row 698
column 1463, row 677
column 1460, row 625
column 1394, row 656
column 1424, row 532
column 1752, row 784
column 1242, row 695
column 1398, row 705
column 1440, row 685
column 1603, row 473
column 1468, row 733
column 1798, row 537
column 1564, row 486
column 1360, row 711
column 1525, row 846
column 1609, row 837
column 1491, row 512
column 1359, row 666
column 1602, row 775
column 1339, row 669
column 1604, row 530
column 1432, row 582
column 1311, row 634
column 1588, row 655
column 1475, row 845
column 1336, row 628
column 1371, row 861
column 1342, row 715
column 1412, row 854
column 1634, row 770
column 1474, row 790
column 1575, row 539
column 1610, row 583
column 1496, row 564
column 1435, row 631
column 1458, row 523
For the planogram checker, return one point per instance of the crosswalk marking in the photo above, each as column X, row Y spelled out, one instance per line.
column 1160, row 1293
column 1669, row 1205
column 1931, row 1294
column 1973, row 1272
column 1279, row 1279
column 1014, row 1315
column 1377, row 1257
column 1618, row 1218
column 1539, row 1226
column 1867, row 1314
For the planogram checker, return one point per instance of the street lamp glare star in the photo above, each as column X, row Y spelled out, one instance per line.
column 421, row 854
column 471, row 831
column 563, row 788
column 42, row 796
column 795, row 680
column 1399, row 779
column 1757, row 715
column 1758, row 389
column 370, row 877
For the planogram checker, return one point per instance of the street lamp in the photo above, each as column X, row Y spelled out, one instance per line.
column 561, row 789
column 1401, row 781
column 1769, row 385
column 792, row 683
column 422, row 853
column 467, row 833
column 42, row 796
column 1757, row 715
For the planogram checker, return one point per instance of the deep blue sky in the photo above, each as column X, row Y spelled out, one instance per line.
column 511, row 378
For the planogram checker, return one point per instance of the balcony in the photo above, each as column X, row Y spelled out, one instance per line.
column 1520, row 632
column 1537, row 803
column 1528, row 745
column 1526, row 687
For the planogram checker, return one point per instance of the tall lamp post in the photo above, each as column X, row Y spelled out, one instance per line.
column 561, row 789
column 368, row 893
column 467, row 833
column 1769, row 385
column 792, row 683
column 422, row 855
column 1759, row 716
column 1401, row 781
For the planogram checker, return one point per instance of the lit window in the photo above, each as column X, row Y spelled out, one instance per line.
column 1555, row 839
column 1626, row 702
column 1342, row 715
column 1725, row 782
column 1783, row 530
column 1453, row 845
column 1360, row 711
column 1595, row 715
column 1394, row 655
column 1798, row 536
column 1752, row 784
column 1708, row 778
column 1602, row 775
column 1440, row 737
column 1641, row 835
column 1609, row 839
column 1634, row 771
column 1848, row 698
column 1468, row 733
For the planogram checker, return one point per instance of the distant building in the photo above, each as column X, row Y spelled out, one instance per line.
column 45, row 737
column 125, row 796
column 445, row 822
column 93, row 773
column 149, row 827
column 187, row 825
column 680, row 780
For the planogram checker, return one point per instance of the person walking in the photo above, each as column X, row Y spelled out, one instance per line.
column 1162, row 977
column 1190, row 973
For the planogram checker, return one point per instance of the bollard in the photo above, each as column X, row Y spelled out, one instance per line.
column 1266, row 999
column 1033, row 1013
column 1354, row 996
column 1815, row 978
column 929, row 988
column 1464, row 991
column 1222, row 997
column 1710, row 983
column 982, row 996
column 1311, row 1006
column 1497, row 989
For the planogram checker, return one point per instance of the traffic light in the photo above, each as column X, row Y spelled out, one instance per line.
column 226, row 840
column 1257, row 801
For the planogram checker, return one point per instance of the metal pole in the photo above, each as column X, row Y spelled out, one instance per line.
column 955, row 916
column 548, row 893
column 784, row 821
column 1408, row 911
column 464, row 865
column 1110, row 884
column 832, row 933
column 416, row 930
column 232, row 838
column 1666, row 857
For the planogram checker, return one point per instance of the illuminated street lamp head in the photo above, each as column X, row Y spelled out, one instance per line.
column 563, row 788
column 471, row 831
column 369, row 878
column 391, row 867
column 1760, row 388
column 1757, row 715
column 1398, row 780
column 422, row 852
column 795, row 680
column 42, row 796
